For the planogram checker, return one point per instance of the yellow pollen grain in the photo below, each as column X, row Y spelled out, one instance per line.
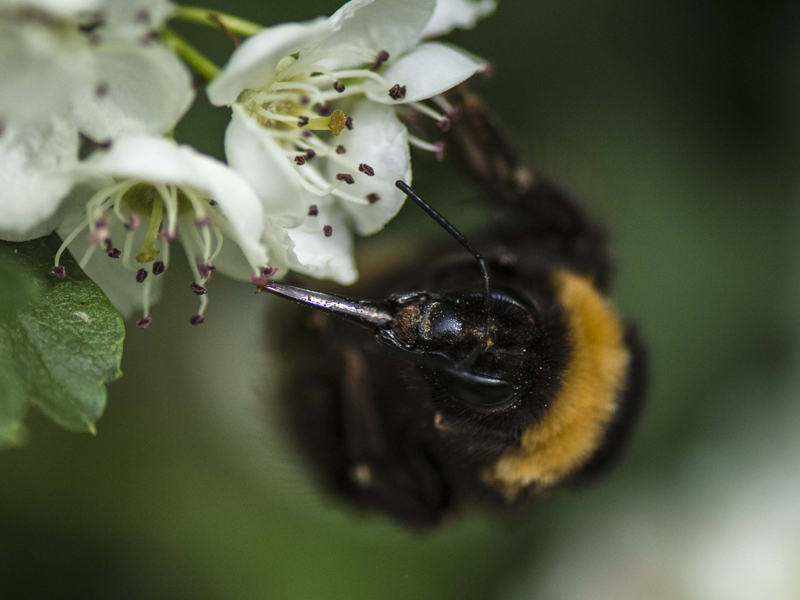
column 337, row 122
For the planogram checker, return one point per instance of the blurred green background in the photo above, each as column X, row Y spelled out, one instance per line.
column 678, row 124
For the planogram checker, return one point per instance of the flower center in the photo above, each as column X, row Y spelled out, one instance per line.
column 122, row 209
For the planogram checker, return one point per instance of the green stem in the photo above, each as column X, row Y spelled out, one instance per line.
column 213, row 18
column 196, row 59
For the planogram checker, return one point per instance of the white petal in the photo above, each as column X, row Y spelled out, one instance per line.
column 280, row 247
column 232, row 262
column 254, row 155
column 133, row 18
column 253, row 64
column 147, row 90
column 38, row 68
column 379, row 140
column 373, row 25
column 325, row 257
column 55, row 7
column 238, row 203
column 152, row 159
column 464, row 14
column 36, row 172
column 426, row 71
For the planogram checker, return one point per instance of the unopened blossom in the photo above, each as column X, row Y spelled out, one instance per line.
column 315, row 108
column 70, row 67
column 146, row 192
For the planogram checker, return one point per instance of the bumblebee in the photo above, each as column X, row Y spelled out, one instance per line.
column 491, row 379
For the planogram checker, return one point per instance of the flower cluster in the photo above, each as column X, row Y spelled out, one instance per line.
column 314, row 146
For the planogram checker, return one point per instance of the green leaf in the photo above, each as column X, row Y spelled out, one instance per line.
column 60, row 340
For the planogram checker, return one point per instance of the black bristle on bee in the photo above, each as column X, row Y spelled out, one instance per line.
column 473, row 386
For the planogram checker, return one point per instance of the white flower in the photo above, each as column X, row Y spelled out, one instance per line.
column 152, row 191
column 294, row 86
column 70, row 67
column 93, row 63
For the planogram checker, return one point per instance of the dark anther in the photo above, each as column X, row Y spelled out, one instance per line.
column 108, row 245
column 323, row 110
column 382, row 57
column 299, row 160
column 167, row 235
column 346, row 177
column 141, row 275
column 310, row 154
column 197, row 319
column 143, row 16
column 338, row 86
column 101, row 90
column 302, row 121
column 306, row 134
column 261, row 280
column 144, row 323
column 348, row 122
column 158, row 267
column 340, row 149
column 397, row 92
column 444, row 124
column 327, row 230
column 133, row 222
column 58, row 271
column 198, row 289
column 372, row 198
column 115, row 253
column 205, row 269
column 313, row 211
column 90, row 26
column 304, row 100
column 148, row 38
column 366, row 169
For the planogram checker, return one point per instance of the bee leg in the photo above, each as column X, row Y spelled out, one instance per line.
column 542, row 221
column 386, row 468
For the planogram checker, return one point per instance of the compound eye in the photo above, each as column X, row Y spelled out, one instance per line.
column 475, row 389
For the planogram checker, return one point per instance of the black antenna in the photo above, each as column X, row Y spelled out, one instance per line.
column 434, row 214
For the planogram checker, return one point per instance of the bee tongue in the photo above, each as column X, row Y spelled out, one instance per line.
column 369, row 314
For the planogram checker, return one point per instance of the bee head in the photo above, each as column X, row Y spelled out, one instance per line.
column 476, row 357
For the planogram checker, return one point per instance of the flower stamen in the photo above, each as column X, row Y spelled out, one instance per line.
column 436, row 147
column 443, row 121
